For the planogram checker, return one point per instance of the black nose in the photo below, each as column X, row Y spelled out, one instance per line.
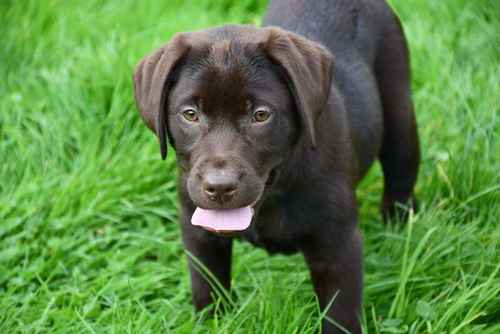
column 220, row 187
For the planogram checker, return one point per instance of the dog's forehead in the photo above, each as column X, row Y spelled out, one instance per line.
column 227, row 54
column 227, row 48
column 227, row 65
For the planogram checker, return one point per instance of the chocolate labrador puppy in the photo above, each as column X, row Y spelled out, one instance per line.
column 274, row 126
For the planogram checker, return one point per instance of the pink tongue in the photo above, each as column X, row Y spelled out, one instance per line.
column 223, row 220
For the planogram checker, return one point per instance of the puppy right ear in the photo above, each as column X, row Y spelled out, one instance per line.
column 308, row 68
column 151, row 84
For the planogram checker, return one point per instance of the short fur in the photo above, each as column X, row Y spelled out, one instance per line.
column 335, row 77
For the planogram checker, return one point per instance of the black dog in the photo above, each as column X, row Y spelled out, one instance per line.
column 274, row 127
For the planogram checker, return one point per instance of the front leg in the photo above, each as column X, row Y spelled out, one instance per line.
column 214, row 252
column 335, row 263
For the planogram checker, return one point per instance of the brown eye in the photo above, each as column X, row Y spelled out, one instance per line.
column 261, row 115
column 190, row 115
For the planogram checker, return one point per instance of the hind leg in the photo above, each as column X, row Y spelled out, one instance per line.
column 400, row 153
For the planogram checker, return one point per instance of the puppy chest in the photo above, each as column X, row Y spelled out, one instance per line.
column 274, row 231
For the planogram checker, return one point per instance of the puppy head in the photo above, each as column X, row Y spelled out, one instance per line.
column 233, row 101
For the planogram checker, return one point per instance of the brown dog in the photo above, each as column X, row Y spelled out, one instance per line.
column 274, row 127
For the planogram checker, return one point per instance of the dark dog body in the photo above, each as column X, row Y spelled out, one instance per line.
column 244, row 105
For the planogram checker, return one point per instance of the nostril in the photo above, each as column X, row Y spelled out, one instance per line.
column 220, row 186
column 230, row 191
column 220, row 192
column 210, row 191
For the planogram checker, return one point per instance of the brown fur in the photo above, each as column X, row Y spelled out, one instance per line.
column 334, row 78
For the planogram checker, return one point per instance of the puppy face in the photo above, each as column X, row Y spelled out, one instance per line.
column 234, row 102
column 232, row 121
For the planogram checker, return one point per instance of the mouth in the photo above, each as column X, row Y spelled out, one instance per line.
column 272, row 177
column 230, row 221
column 225, row 220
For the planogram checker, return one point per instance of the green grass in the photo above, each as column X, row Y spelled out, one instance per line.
column 88, row 211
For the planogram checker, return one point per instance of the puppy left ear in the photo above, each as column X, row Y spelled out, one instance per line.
column 308, row 69
column 152, row 82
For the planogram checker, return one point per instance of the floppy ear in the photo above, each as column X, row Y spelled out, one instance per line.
column 151, row 84
column 308, row 69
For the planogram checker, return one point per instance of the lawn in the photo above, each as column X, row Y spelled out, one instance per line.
column 89, row 241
